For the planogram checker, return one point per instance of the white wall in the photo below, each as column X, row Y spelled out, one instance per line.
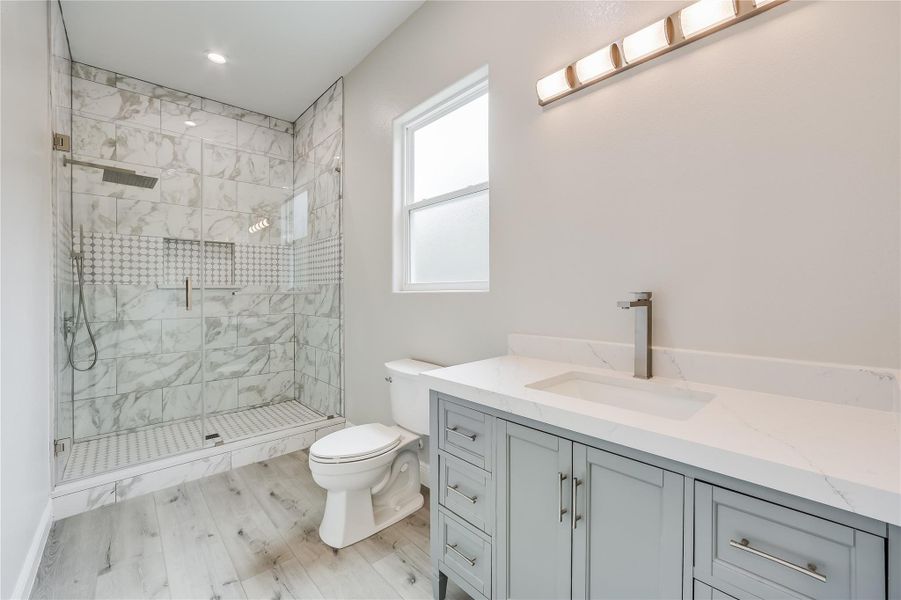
column 25, row 284
column 751, row 180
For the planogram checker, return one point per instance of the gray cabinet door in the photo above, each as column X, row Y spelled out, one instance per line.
column 627, row 542
column 533, row 536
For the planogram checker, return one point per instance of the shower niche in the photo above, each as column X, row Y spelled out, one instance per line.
column 213, row 297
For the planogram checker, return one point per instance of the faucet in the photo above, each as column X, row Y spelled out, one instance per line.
column 641, row 302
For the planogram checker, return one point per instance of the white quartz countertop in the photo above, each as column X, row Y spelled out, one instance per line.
column 842, row 456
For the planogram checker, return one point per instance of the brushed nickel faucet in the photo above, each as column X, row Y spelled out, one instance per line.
column 641, row 302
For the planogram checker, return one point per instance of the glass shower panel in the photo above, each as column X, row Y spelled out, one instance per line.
column 61, row 190
column 317, row 250
column 249, row 325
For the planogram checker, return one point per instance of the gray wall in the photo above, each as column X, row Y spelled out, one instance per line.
column 25, row 304
column 751, row 180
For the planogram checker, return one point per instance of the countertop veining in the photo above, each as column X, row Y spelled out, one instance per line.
column 842, row 456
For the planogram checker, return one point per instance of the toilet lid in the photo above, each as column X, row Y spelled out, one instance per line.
column 355, row 443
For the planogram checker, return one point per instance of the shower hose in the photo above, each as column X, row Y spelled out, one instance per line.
column 80, row 310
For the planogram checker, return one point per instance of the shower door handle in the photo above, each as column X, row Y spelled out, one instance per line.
column 189, row 292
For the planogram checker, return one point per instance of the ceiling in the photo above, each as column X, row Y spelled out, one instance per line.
column 281, row 54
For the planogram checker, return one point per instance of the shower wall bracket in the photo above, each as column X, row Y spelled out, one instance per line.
column 62, row 142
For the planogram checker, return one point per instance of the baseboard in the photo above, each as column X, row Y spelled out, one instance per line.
column 35, row 551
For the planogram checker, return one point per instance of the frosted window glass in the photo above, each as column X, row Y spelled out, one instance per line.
column 451, row 153
column 449, row 241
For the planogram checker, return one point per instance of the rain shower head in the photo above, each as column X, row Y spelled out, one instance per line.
column 117, row 175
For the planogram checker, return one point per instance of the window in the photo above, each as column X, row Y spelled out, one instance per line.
column 441, row 191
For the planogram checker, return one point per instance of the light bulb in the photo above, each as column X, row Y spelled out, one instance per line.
column 705, row 14
column 597, row 64
column 216, row 58
column 553, row 85
column 645, row 41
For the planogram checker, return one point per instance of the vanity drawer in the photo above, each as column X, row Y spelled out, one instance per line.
column 465, row 490
column 465, row 433
column 756, row 549
column 465, row 551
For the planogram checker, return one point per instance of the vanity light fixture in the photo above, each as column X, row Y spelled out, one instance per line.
column 684, row 26
column 216, row 58
column 259, row 226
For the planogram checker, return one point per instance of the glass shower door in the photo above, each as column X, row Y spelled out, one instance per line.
column 249, row 322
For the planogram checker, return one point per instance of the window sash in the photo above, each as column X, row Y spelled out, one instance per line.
column 408, row 209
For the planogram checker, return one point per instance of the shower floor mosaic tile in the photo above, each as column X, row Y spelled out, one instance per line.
column 116, row 451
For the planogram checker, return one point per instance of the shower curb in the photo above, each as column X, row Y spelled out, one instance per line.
column 92, row 492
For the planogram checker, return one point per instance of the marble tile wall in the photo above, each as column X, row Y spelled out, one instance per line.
column 318, row 266
column 158, row 361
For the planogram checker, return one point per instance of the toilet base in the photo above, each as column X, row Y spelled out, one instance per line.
column 354, row 515
column 349, row 517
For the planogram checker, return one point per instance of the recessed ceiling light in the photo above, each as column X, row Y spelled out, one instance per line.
column 216, row 58
column 190, row 123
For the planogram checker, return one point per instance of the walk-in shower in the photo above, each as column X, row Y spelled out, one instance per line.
column 198, row 270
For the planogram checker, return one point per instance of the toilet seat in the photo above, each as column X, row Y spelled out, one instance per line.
column 355, row 444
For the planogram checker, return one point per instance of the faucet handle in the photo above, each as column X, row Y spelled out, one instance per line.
column 641, row 295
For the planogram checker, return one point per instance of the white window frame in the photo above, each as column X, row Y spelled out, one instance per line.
column 449, row 100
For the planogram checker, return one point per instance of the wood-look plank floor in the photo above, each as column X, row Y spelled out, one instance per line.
column 252, row 532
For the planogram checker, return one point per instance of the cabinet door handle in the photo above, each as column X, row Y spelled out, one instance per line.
column 810, row 570
column 575, row 517
column 561, row 478
column 469, row 436
column 453, row 488
column 453, row 548
column 188, row 293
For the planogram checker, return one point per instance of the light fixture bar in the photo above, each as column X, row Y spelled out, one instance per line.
column 694, row 22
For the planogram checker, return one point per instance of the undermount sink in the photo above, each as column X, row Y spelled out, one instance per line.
column 648, row 397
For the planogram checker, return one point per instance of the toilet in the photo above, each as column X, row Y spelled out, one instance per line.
column 371, row 472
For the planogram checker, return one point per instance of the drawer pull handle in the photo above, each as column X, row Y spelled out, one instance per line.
column 810, row 570
column 453, row 488
column 453, row 548
column 561, row 477
column 469, row 436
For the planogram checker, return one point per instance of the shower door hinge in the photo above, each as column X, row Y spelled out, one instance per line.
column 62, row 142
column 59, row 446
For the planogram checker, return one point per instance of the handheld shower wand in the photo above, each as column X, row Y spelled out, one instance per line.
column 80, row 309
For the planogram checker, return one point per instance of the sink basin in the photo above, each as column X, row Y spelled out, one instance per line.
column 647, row 397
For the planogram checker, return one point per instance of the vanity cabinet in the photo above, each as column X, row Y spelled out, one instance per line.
column 577, row 522
column 628, row 540
column 524, row 510
column 534, row 530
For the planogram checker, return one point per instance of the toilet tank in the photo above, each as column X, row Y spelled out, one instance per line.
column 409, row 394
